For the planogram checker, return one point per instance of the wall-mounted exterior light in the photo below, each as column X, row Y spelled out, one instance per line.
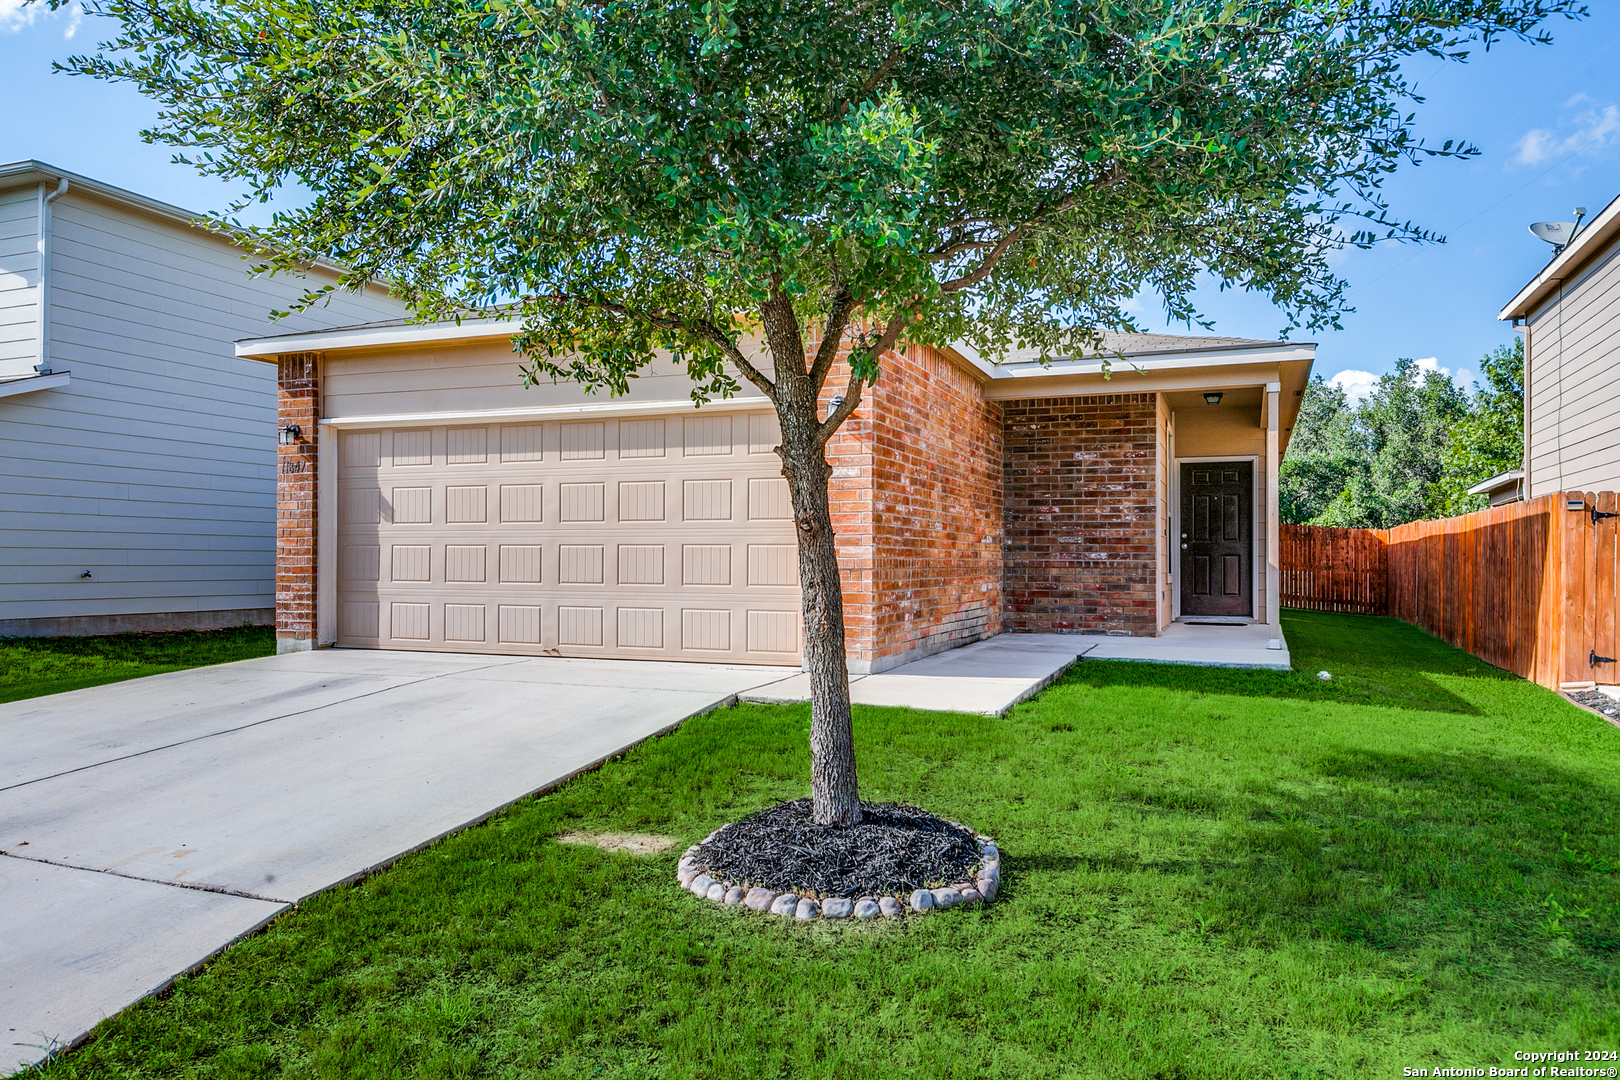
column 1574, row 504
column 1212, row 398
column 289, row 435
column 832, row 406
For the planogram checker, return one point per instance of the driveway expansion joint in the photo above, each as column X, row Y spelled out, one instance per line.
column 196, row 885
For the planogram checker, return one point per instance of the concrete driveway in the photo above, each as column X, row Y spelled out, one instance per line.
column 147, row 824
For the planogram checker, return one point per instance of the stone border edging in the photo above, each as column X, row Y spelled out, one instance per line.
column 983, row 888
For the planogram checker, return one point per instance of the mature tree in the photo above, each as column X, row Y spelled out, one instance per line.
column 1404, row 426
column 1323, row 451
column 736, row 181
column 1410, row 451
column 1490, row 439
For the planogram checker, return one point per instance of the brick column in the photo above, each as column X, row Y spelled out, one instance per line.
column 298, row 399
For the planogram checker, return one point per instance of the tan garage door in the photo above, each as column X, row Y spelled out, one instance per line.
column 656, row 537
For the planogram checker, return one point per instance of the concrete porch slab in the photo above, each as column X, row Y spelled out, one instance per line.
column 1246, row 646
column 986, row 677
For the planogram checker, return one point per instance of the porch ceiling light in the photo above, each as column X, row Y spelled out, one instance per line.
column 288, row 435
column 1212, row 398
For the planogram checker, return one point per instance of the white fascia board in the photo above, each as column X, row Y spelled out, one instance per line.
column 30, row 383
column 1494, row 483
column 363, row 337
column 1588, row 243
column 545, row 412
column 1227, row 356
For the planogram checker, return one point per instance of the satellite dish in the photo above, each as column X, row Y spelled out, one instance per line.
column 1554, row 232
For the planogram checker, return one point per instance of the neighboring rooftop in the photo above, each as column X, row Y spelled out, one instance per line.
column 14, row 174
column 1590, row 242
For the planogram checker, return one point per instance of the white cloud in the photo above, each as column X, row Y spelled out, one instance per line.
column 17, row 15
column 1432, row 364
column 1355, row 384
column 1589, row 133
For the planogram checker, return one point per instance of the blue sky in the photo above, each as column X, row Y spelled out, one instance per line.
column 1546, row 117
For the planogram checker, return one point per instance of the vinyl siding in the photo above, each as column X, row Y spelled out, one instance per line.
column 19, row 266
column 1574, row 384
column 154, row 467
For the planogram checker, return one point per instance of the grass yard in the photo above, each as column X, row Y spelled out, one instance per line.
column 30, row 667
column 1208, row 874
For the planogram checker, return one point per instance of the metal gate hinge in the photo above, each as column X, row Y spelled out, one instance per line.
column 1599, row 515
column 1593, row 659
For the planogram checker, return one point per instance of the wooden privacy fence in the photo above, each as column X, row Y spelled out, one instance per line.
column 1335, row 569
column 1529, row 587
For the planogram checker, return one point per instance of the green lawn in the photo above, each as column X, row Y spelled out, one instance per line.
column 1208, row 874
column 30, row 667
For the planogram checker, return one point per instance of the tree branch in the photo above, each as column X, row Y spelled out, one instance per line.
column 852, row 391
column 702, row 328
column 832, row 335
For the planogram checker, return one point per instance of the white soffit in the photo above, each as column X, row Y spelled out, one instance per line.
column 28, row 384
column 1222, row 356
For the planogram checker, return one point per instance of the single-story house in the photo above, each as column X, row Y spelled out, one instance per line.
column 1570, row 319
column 429, row 502
column 137, row 475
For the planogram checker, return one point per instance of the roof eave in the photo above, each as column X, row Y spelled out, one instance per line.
column 1588, row 244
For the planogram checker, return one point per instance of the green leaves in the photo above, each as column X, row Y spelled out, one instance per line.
column 639, row 177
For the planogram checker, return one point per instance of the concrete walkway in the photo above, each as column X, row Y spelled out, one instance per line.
column 147, row 824
column 1248, row 646
column 992, row 676
column 986, row 677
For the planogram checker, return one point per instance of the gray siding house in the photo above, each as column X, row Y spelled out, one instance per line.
column 137, row 453
column 1570, row 317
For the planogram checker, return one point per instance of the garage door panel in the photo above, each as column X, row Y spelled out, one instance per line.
column 650, row 537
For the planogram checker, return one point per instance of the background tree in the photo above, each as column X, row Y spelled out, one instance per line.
column 1490, row 439
column 736, row 180
column 1409, row 452
column 1323, row 451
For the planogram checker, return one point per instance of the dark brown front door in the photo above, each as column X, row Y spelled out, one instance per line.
column 1217, row 538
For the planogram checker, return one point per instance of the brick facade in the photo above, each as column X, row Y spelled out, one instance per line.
column 937, row 508
column 916, row 501
column 297, row 402
column 1081, row 502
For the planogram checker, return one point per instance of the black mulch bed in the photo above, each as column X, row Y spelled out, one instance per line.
column 895, row 848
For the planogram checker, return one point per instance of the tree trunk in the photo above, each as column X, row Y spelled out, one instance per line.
column 835, row 798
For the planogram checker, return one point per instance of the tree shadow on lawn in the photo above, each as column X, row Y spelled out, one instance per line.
column 1503, row 862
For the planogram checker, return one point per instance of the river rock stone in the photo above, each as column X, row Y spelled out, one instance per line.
column 734, row 895
column 922, row 900
column 784, row 904
column 837, row 907
column 717, row 892
column 759, row 899
column 700, row 885
column 988, row 887
column 970, row 895
column 806, row 910
column 686, row 877
column 890, row 906
column 868, row 909
column 943, row 898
